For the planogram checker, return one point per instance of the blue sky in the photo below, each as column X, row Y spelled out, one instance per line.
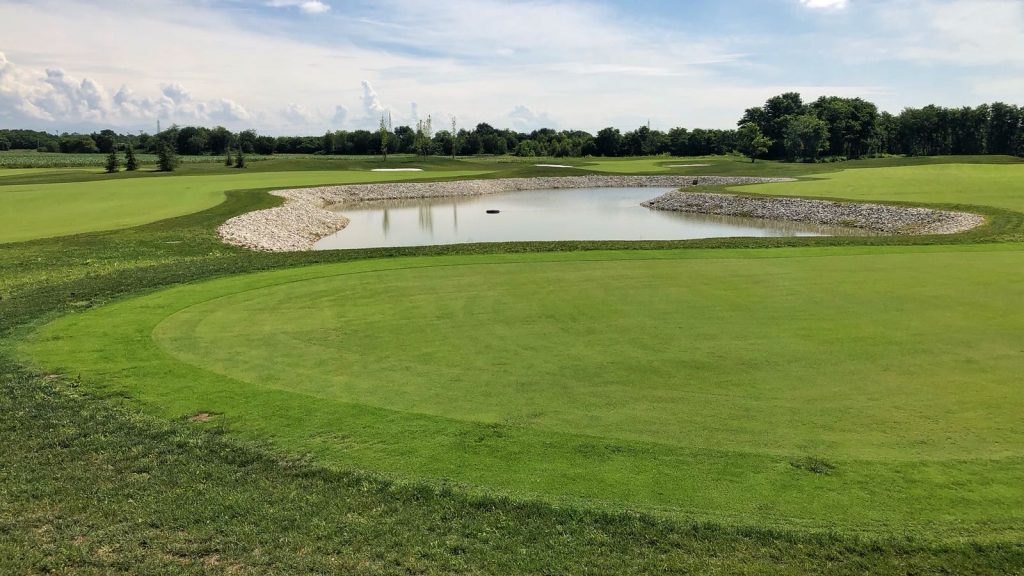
column 305, row 66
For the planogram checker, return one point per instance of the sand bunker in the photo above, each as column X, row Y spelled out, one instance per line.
column 397, row 170
column 553, row 166
column 686, row 165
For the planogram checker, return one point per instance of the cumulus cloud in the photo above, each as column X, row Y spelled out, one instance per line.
column 340, row 116
column 833, row 4
column 372, row 105
column 54, row 96
column 524, row 118
column 305, row 6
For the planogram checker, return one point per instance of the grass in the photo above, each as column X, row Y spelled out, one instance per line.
column 542, row 376
column 15, row 159
column 990, row 185
column 47, row 210
column 103, row 474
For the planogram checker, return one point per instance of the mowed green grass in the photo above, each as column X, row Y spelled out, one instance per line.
column 998, row 185
column 858, row 390
column 32, row 211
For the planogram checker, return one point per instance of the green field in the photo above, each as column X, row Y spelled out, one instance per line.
column 699, row 384
column 46, row 210
column 759, row 406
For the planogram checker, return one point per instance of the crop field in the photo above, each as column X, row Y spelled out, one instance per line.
column 758, row 406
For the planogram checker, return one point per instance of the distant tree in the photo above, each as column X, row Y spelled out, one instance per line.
column 192, row 140
column 219, row 140
column 105, row 140
column 265, row 145
column 751, row 142
column 240, row 159
column 806, row 136
column 78, row 144
column 455, row 139
column 5, row 144
column 327, row 143
column 773, row 119
column 228, row 160
column 1004, row 128
column 383, row 132
column 247, row 141
column 131, row 163
column 166, row 157
column 608, row 142
column 424, row 136
column 112, row 162
column 851, row 124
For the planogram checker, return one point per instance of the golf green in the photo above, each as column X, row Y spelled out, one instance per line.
column 866, row 390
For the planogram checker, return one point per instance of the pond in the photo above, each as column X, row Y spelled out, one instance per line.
column 540, row 215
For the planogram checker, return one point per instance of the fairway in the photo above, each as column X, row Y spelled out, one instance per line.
column 871, row 391
column 998, row 185
column 34, row 211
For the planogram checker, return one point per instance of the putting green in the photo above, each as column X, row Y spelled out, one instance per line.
column 32, row 211
column 863, row 390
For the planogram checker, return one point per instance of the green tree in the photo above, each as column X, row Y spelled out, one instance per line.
column 424, row 136
column 166, row 157
column 228, row 160
column 327, row 143
column 806, row 136
column 219, row 140
column 455, row 139
column 773, row 119
column 384, row 131
column 131, row 163
column 240, row 159
column 112, row 162
column 751, row 141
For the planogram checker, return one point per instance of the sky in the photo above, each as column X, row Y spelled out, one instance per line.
column 308, row 66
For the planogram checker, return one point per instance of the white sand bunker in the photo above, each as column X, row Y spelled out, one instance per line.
column 687, row 165
column 397, row 170
column 553, row 166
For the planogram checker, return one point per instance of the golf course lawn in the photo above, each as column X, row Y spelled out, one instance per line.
column 33, row 211
column 998, row 185
column 869, row 390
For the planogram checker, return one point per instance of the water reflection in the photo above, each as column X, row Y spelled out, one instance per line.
column 576, row 214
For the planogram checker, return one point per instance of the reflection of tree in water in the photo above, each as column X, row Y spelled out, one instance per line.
column 455, row 216
column 386, row 222
column 426, row 218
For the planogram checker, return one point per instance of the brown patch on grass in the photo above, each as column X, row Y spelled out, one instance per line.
column 201, row 417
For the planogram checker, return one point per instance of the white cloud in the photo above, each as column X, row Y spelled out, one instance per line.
column 55, row 96
column 524, row 119
column 586, row 64
column 830, row 4
column 965, row 32
column 305, row 6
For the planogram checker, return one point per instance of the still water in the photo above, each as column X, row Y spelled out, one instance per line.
column 567, row 214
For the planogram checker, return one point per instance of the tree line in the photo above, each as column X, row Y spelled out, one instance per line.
column 783, row 128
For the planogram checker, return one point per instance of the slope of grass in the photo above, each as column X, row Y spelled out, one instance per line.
column 696, row 385
column 92, row 489
column 999, row 185
column 88, row 485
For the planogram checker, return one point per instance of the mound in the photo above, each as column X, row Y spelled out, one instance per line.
column 831, row 392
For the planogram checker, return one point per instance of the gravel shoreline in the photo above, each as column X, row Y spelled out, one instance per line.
column 304, row 219
column 881, row 218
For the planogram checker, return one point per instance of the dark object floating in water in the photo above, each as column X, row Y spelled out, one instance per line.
column 493, row 211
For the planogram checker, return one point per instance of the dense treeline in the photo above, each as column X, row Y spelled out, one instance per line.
column 784, row 128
